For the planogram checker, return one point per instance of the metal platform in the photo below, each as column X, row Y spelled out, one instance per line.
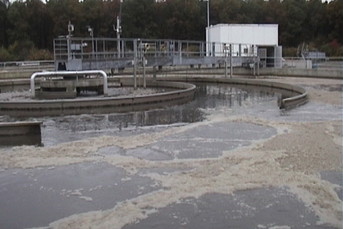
column 74, row 54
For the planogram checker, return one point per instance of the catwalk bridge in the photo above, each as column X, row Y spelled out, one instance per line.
column 75, row 54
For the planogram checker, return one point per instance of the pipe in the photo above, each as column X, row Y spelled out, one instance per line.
column 67, row 73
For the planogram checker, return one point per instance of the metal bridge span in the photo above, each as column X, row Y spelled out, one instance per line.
column 108, row 54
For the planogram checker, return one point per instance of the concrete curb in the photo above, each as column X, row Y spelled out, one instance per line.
column 183, row 92
column 299, row 94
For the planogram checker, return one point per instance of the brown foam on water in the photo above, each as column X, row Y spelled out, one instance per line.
column 292, row 158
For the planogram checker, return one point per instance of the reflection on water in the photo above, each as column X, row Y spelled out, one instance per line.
column 208, row 97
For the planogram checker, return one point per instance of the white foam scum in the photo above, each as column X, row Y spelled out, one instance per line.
column 256, row 166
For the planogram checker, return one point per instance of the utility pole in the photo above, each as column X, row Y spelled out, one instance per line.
column 70, row 31
column 91, row 34
column 208, row 51
column 208, row 28
column 117, row 28
column 231, row 67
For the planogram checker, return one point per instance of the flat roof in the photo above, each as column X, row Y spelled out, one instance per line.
column 245, row 25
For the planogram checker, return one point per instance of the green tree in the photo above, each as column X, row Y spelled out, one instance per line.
column 292, row 31
column 63, row 11
column 4, row 54
column 20, row 50
column 40, row 24
column 19, row 28
column 99, row 15
column 185, row 19
column 29, row 26
column 3, row 25
column 335, row 22
column 315, row 26
column 138, row 19
column 225, row 11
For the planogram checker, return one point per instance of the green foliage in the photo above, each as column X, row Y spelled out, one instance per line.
column 40, row 54
column 27, row 27
column 21, row 50
column 138, row 19
column 289, row 52
column 333, row 47
column 4, row 55
column 3, row 23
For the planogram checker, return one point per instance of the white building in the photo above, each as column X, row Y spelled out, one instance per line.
column 246, row 40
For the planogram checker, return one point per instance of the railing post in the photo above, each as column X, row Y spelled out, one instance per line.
column 180, row 52
column 226, row 66
column 144, row 79
column 231, row 67
column 32, row 84
column 135, row 64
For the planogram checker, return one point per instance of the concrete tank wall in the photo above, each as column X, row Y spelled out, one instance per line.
column 183, row 92
column 20, row 133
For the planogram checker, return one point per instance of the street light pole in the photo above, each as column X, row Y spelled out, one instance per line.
column 208, row 27
column 118, row 28
column 70, row 31
column 208, row 13
column 91, row 34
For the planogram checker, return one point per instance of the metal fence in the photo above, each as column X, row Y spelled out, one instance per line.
column 332, row 63
column 329, row 63
column 111, row 48
column 39, row 65
column 92, row 51
column 73, row 53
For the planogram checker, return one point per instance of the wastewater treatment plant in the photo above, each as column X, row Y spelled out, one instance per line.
column 141, row 133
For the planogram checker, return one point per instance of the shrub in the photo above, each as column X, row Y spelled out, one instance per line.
column 39, row 54
column 4, row 55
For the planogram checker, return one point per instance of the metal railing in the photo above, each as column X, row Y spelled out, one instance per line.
column 328, row 63
column 103, row 48
column 39, row 65
column 107, row 48
column 73, row 53
column 93, row 50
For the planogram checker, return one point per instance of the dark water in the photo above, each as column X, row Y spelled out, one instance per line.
column 38, row 196
column 258, row 208
column 207, row 99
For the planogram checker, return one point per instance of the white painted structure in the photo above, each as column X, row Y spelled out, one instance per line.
column 246, row 40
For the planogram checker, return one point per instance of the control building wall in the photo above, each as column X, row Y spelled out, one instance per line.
column 244, row 37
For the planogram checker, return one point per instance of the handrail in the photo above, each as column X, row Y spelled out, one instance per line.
column 27, row 64
column 67, row 73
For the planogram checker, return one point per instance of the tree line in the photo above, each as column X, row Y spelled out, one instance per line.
column 29, row 27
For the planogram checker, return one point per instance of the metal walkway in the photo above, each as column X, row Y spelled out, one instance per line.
column 74, row 54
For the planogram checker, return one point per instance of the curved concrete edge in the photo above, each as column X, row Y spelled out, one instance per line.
column 183, row 92
column 309, row 73
column 294, row 101
column 299, row 94
column 15, row 84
